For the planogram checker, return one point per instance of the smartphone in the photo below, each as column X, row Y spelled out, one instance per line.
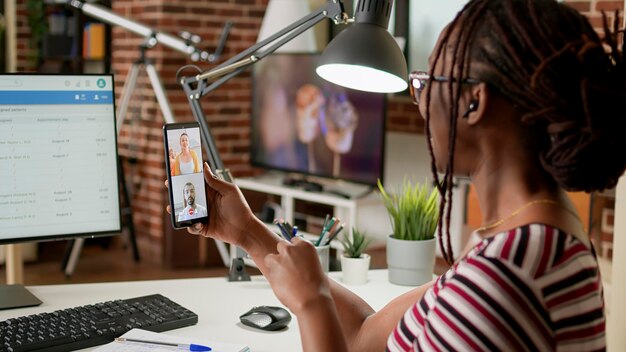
column 183, row 162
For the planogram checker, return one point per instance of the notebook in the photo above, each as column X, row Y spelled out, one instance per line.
column 154, row 336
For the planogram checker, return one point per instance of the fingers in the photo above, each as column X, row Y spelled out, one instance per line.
column 270, row 260
column 297, row 239
column 282, row 246
column 196, row 229
column 167, row 184
column 169, row 209
column 212, row 181
column 301, row 242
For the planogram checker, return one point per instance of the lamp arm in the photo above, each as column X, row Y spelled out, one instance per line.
column 196, row 87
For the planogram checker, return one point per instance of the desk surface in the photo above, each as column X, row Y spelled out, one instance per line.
column 217, row 302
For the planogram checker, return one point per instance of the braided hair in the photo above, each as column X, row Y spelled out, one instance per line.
column 567, row 83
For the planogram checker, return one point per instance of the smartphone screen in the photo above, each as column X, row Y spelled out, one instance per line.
column 183, row 161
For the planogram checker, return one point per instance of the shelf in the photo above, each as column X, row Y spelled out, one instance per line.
column 70, row 36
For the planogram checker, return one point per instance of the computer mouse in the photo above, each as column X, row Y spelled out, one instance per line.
column 267, row 318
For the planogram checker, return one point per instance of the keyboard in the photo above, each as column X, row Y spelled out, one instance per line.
column 96, row 324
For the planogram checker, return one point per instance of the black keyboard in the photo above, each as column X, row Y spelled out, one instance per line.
column 96, row 324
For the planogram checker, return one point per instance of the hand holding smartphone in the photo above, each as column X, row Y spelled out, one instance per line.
column 183, row 162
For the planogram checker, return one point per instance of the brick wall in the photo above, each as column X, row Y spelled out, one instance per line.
column 593, row 10
column 227, row 109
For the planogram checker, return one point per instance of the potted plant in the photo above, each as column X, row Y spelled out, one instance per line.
column 355, row 263
column 413, row 212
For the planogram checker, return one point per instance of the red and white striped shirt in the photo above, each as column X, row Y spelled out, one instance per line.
column 534, row 288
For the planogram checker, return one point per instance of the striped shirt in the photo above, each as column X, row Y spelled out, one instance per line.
column 534, row 288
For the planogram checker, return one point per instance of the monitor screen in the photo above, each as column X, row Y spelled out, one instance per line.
column 302, row 123
column 58, row 157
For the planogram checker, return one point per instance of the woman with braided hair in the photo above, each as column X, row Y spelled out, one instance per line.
column 523, row 98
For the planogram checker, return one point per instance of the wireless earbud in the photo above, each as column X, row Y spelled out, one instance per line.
column 473, row 106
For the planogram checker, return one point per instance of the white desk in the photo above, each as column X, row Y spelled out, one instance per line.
column 217, row 302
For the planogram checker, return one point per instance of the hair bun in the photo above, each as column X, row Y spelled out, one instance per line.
column 589, row 155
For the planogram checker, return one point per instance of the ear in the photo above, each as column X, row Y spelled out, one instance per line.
column 478, row 103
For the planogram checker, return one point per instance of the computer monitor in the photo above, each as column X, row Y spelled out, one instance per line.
column 304, row 124
column 58, row 157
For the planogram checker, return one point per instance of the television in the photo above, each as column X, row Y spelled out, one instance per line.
column 303, row 124
column 58, row 158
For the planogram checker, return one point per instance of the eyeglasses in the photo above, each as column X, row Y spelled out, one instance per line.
column 419, row 79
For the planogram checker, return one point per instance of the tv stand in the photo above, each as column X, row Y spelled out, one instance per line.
column 305, row 184
column 345, row 208
column 337, row 188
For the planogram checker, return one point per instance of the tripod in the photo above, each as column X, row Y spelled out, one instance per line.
column 131, row 82
column 129, row 87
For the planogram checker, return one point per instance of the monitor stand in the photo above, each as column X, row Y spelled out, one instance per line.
column 12, row 295
column 16, row 296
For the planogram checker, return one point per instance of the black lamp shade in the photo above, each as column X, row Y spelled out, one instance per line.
column 365, row 56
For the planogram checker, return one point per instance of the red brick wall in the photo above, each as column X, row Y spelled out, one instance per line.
column 593, row 10
column 227, row 109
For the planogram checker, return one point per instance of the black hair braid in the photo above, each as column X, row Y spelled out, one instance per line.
column 457, row 69
column 440, row 185
column 569, row 90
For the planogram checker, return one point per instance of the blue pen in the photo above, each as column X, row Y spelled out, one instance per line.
column 284, row 231
column 181, row 346
column 288, row 226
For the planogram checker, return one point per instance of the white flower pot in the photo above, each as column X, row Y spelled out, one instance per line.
column 410, row 263
column 354, row 270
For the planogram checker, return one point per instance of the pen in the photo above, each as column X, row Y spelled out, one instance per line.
column 288, row 226
column 334, row 234
column 283, row 230
column 327, row 226
column 182, row 346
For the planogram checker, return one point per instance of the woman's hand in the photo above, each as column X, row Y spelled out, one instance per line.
column 230, row 216
column 296, row 276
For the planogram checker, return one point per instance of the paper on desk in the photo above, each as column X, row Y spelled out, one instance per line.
column 155, row 336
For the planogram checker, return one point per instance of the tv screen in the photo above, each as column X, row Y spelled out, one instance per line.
column 302, row 123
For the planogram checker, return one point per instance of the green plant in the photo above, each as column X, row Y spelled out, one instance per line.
column 353, row 246
column 413, row 211
column 38, row 25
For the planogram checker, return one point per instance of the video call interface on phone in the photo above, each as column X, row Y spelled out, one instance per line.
column 188, row 197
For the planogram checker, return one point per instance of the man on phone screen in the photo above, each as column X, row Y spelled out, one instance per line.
column 191, row 210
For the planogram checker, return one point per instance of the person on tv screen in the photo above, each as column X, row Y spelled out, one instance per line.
column 310, row 106
column 187, row 161
column 192, row 209
column 525, row 99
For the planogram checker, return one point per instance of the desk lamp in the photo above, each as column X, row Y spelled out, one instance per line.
column 364, row 56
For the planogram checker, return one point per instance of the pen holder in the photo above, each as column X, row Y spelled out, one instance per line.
column 323, row 252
